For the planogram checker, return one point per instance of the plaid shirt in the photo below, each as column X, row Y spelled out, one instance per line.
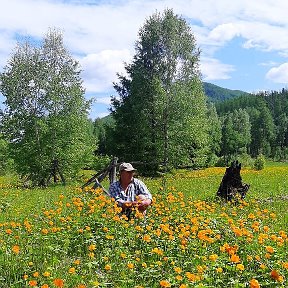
column 135, row 188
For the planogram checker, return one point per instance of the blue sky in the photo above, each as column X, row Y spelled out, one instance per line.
column 244, row 43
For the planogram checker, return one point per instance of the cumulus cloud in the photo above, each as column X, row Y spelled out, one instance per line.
column 213, row 69
column 278, row 74
column 99, row 69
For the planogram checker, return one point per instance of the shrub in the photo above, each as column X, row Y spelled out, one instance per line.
column 259, row 162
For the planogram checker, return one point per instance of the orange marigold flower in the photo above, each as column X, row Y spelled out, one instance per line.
column 235, row 258
column 254, row 283
column 32, row 283
column 58, row 282
column 45, row 286
column 275, row 275
column 165, row 284
column 16, row 249
column 81, row 286
column 146, row 238
column 270, row 249
column 77, row 262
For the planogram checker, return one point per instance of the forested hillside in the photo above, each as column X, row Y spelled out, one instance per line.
column 216, row 93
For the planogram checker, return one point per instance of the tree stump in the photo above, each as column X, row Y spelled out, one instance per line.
column 231, row 187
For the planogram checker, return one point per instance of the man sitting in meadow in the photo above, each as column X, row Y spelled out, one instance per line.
column 130, row 192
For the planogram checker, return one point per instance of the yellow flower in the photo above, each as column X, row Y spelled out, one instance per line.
column 179, row 278
column 107, row 267
column 213, row 257
column 92, row 247
column 130, row 265
column 46, row 274
column 219, row 270
column 177, row 270
column 72, row 270
column 240, row 267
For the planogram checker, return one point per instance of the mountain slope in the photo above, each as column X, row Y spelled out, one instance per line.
column 216, row 93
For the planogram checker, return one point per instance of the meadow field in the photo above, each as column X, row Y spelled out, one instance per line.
column 65, row 236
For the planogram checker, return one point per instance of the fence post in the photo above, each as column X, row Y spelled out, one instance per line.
column 113, row 171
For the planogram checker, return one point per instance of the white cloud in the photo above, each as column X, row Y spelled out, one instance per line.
column 104, row 100
column 99, row 69
column 212, row 69
column 101, row 34
column 278, row 74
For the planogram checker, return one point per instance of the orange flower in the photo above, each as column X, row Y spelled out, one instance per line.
column 77, row 262
column 235, row 258
column 58, row 282
column 81, row 286
column 177, row 270
column 270, row 249
column 45, row 286
column 254, row 283
column 16, row 249
column 146, row 238
column 275, row 275
column 165, row 284
column 32, row 283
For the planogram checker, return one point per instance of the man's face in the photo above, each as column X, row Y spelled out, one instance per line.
column 127, row 175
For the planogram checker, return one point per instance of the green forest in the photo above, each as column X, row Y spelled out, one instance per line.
column 163, row 115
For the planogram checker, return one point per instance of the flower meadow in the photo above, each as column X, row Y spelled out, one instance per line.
column 76, row 238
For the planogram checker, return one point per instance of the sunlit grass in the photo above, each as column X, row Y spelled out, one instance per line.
column 68, row 237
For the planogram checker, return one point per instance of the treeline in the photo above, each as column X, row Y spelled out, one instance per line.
column 255, row 124
column 242, row 127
